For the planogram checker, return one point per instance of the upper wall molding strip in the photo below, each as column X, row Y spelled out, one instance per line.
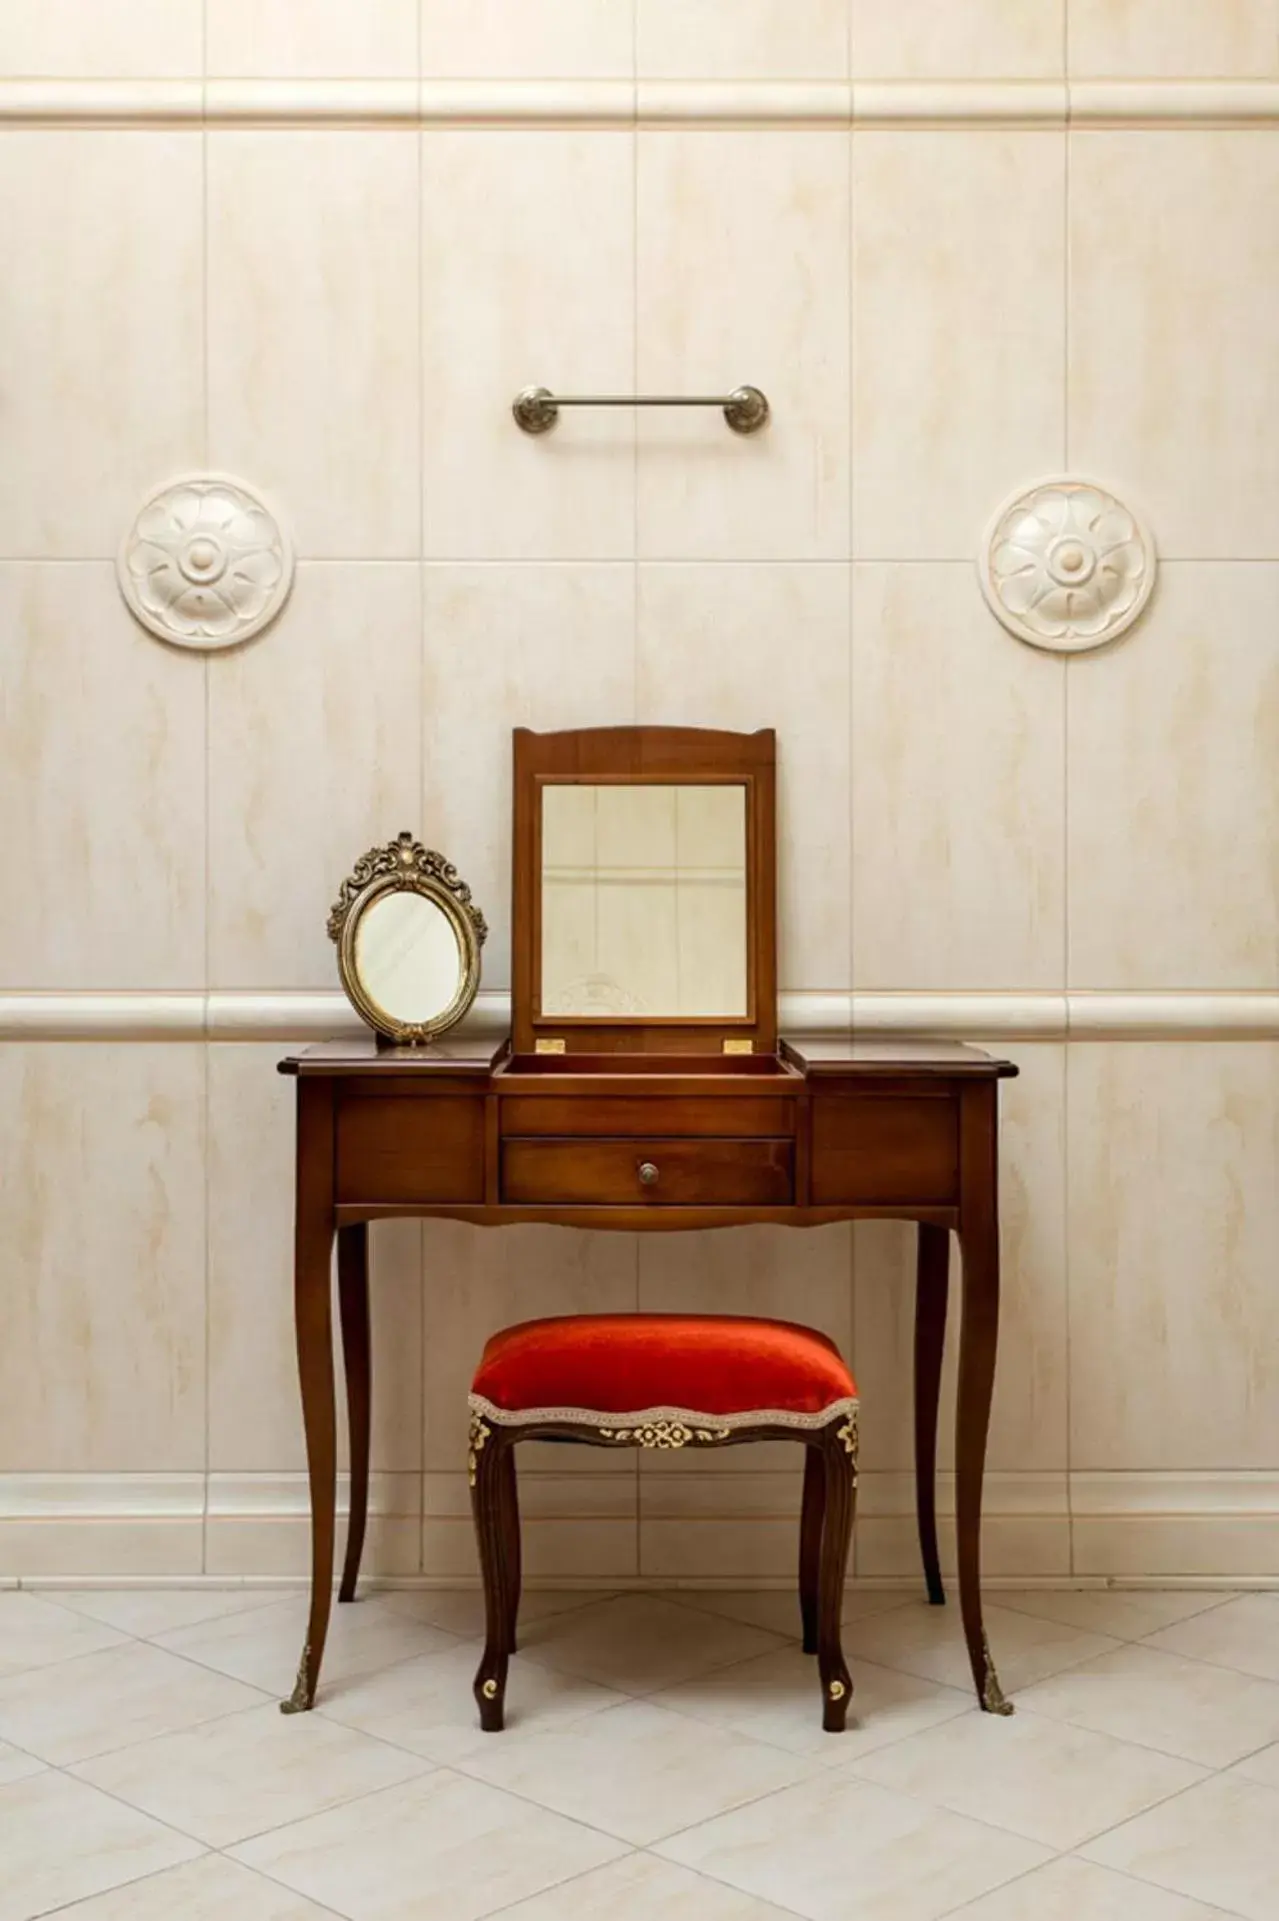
column 650, row 103
column 241, row 1015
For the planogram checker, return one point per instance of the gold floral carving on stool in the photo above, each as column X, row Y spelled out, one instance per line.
column 664, row 1434
column 479, row 1435
column 848, row 1435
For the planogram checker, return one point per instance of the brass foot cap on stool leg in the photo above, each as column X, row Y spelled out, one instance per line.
column 489, row 1696
column 835, row 1697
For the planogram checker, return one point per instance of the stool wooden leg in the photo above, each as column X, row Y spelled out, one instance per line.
column 488, row 1446
column 839, row 1459
column 810, row 1542
column 508, row 1494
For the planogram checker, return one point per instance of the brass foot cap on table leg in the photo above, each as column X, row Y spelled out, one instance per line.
column 993, row 1698
column 302, row 1698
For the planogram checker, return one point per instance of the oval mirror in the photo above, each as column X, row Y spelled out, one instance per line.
column 408, row 938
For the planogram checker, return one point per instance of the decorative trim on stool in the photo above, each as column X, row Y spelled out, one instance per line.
column 479, row 1435
column 660, row 1427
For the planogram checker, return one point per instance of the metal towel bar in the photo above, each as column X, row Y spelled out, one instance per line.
column 537, row 409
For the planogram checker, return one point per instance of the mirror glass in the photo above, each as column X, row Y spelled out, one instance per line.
column 407, row 956
column 644, row 901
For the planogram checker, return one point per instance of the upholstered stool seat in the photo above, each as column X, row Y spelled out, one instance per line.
column 666, row 1381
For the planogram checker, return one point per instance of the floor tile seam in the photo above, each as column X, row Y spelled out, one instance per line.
column 1023, row 1874
column 142, row 1814
column 553, row 1887
column 728, row 1733
column 1126, row 1874
column 648, row 1688
column 846, row 1775
column 72, row 1908
column 193, row 1727
column 1230, row 1767
column 1086, row 1727
column 707, row 1874
column 1205, row 1773
column 53, row 1597
column 224, row 1854
column 1175, row 1654
column 560, row 1725
column 815, row 1764
column 459, row 1770
column 154, row 1639
column 1115, row 1634
column 1205, row 1661
column 60, row 1661
column 970, row 1706
column 1012, row 1688
column 166, row 1734
column 686, row 1597
column 425, row 1766
column 656, row 1840
column 1161, row 1887
column 630, row 1701
column 364, row 1674
column 31, row 1755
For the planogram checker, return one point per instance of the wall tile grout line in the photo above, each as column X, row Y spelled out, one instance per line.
column 1066, row 681
column 206, row 346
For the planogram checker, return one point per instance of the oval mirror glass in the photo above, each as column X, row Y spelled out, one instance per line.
column 408, row 957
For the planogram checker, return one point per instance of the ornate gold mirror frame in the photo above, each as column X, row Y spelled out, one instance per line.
column 404, row 865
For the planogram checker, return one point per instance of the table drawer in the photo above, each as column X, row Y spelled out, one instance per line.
column 687, row 1173
column 731, row 1117
column 877, row 1149
column 400, row 1149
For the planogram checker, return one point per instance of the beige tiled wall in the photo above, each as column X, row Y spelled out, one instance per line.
column 939, row 309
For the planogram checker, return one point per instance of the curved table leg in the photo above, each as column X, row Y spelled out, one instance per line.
column 313, row 1311
column 932, row 1287
column 353, row 1304
column 979, row 1330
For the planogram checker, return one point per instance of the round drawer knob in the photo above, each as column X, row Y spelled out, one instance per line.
column 648, row 1173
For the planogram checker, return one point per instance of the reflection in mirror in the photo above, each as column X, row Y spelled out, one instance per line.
column 644, row 901
column 407, row 957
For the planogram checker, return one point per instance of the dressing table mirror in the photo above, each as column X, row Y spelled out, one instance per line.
column 644, row 1086
column 644, row 893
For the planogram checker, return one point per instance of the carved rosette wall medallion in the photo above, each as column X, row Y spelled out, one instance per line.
column 1066, row 566
column 206, row 564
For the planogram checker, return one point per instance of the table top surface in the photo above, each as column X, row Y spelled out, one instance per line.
column 453, row 1054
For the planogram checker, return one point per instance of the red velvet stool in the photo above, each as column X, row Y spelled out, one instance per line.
column 666, row 1381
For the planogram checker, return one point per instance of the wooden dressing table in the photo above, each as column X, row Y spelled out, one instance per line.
column 593, row 1115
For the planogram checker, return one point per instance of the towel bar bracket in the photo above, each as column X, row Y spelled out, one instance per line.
column 537, row 409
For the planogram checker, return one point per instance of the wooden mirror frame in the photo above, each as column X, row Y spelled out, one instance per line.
column 645, row 756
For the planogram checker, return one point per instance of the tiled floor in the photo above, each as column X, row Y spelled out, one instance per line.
column 663, row 1762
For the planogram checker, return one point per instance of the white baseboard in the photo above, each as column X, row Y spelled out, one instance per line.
column 725, row 1528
